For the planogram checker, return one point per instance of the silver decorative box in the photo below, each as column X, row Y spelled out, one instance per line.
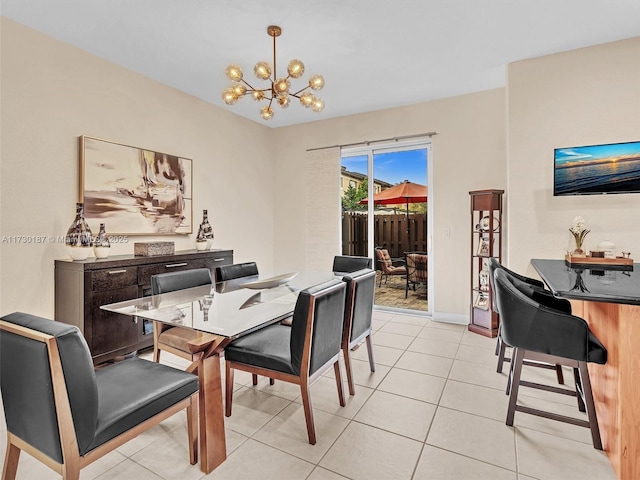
column 150, row 249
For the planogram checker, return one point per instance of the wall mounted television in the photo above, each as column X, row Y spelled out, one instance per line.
column 597, row 169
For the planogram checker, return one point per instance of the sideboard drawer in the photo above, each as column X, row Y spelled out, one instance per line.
column 83, row 286
column 146, row 271
column 114, row 278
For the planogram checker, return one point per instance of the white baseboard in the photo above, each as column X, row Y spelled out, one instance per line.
column 445, row 317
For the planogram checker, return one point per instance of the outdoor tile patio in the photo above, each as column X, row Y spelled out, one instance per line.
column 391, row 294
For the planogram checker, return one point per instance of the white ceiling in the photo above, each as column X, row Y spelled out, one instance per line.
column 374, row 54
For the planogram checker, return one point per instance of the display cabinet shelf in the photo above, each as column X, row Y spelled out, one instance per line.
column 486, row 242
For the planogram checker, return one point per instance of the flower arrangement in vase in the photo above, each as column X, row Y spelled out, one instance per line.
column 579, row 232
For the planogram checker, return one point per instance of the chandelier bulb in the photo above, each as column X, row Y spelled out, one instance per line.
column 284, row 101
column 266, row 113
column 262, row 70
column 316, row 82
column 229, row 96
column 281, row 85
column 295, row 68
column 306, row 99
column 239, row 89
column 317, row 105
column 257, row 95
column 234, row 73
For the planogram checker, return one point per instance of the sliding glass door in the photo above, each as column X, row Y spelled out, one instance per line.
column 385, row 216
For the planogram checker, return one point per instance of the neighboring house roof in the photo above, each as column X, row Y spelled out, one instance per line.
column 360, row 177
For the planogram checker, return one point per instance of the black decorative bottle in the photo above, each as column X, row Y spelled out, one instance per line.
column 101, row 245
column 79, row 238
column 204, row 239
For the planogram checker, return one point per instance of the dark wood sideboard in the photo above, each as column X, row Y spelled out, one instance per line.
column 81, row 287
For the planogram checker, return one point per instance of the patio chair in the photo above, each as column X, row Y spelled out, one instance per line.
column 67, row 415
column 389, row 266
column 417, row 272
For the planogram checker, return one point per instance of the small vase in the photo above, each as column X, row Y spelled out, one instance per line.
column 205, row 233
column 78, row 239
column 578, row 252
column 101, row 245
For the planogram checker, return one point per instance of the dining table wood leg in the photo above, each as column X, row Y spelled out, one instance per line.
column 213, row 447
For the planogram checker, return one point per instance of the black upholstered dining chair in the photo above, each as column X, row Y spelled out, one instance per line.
column 350, row 263
column 233, row 272
column 357, row 318
column 544, row 334
column 542, row 295
column 63, row 413
column 299, row 354
column 237, row 270
column 183, row 342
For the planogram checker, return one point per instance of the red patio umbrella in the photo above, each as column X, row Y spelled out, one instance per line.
column 406, row 192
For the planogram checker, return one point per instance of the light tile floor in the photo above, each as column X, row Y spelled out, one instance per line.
column 434, row 409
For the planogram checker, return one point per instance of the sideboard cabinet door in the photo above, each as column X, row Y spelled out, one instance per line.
column 81, row 287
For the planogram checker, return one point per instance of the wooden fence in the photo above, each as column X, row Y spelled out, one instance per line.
column 390, row 232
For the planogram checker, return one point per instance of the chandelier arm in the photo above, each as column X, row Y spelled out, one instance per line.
column 300, row 91
column 248, row 84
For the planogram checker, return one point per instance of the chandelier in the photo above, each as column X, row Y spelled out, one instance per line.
column 280, row 89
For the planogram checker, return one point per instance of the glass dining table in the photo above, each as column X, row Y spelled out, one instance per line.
column 227, row 310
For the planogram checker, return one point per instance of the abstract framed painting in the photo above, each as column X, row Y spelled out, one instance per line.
column 134, row 191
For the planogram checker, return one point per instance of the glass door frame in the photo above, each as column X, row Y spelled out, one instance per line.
column 399, row 146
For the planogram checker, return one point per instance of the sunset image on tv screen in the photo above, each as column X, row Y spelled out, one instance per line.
column 597, row 169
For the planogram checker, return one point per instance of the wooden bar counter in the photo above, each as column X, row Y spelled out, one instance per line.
column 608, row 298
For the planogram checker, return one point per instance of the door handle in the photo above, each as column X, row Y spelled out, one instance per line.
column 173, row 265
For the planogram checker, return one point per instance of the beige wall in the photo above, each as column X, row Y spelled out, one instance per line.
column 468, row 154
column 583, row 97
column 51, row 94
column 253, row 179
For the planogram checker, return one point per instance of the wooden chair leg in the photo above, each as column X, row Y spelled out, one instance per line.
column 501, row 354
column 228, row 382
column 11, row 460
column 308, row 411
column 560, row 375
column 156, row 335
column 336, row 369
column 591, row 408
column 372, row 364
column 254, row 378
column 579, row 390
column 511, row 366
column 516, row 360
column 71, row 469
column 347, row 366
column 192, row 429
